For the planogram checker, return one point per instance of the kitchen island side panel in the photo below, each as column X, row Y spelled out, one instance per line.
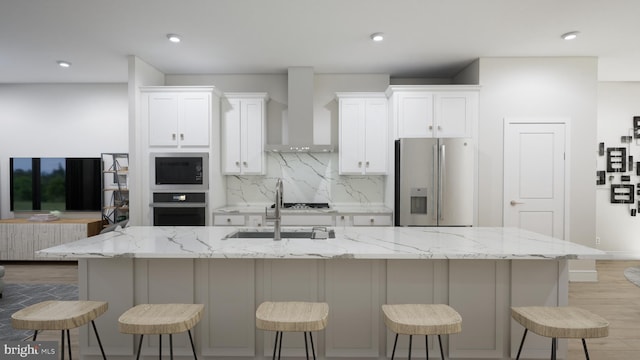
column 163, row 281
column 482, row 291
column 353, row 289
column 110, row 280
column 287, row 280
column 531, row 286
column 479, row 291
column 227, row 288
column 415, row 282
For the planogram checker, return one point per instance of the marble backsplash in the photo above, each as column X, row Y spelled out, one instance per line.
column 307, row 177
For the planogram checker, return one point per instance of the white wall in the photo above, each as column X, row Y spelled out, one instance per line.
column 59, row 120
column 539, row 87
column 140, row 74
column 618, row 103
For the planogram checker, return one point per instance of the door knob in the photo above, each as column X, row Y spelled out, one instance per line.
column 514, row 203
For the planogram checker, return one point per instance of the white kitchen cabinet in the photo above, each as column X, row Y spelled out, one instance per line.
column 244, row 134
column 177, row 117
column 343, row 220
column 443, row 111
column 372, row 220
column 229, row 220
column 306, row 220
column 363, row 146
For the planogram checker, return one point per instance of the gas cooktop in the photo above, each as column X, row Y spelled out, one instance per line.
column 303, row 206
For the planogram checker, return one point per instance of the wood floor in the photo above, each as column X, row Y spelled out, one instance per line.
column 618, row 301
column 612, row 297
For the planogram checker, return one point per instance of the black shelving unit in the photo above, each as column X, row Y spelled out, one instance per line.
column 115, row 188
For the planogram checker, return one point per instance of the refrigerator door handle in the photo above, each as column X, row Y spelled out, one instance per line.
column 434, row 199
column 442, row 181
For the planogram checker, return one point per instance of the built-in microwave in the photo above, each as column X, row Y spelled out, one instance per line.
column 179, row 171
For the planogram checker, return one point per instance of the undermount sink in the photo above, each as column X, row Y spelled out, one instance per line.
column 268, row 234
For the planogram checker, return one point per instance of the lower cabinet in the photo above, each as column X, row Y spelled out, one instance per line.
column 21, row 238
column 372, row 220
column 305, row 220
column 229, row 220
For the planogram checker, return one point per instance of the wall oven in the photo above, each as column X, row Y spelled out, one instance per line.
column 179, row 208
column 180, row 171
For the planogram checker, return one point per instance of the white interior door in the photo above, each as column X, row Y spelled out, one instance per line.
column 534, row 175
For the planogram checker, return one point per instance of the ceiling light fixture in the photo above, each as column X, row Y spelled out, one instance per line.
column 570, row 35
column 64, row 64
column 173, row 38
column 377, row 37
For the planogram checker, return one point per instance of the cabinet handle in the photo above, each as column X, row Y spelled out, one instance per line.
column 181, row 136
column 173, row 136
column 367, row 164
column 237, row 163
column 371, row 220
column 439, row 127
column 244, row 163
column 430, row 127
column 228, row 220
column 359, row 163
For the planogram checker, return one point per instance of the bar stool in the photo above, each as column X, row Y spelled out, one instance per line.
column 421, row 319
column 60, row 315
column 158, row 319
column 292, row 316
column 564, row 322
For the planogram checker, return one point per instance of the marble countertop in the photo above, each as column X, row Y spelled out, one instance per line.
column 349, row 243
column 335, row 209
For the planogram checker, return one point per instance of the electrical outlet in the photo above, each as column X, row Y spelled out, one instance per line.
column 597, row 240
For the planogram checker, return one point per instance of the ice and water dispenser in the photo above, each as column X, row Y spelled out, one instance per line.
column 418, row 200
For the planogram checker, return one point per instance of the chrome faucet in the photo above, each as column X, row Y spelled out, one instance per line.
column 276, row 217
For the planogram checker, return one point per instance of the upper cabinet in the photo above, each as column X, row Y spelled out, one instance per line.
column 244, row 133
column 442, row 111
column 364, row 140
column 178, row 117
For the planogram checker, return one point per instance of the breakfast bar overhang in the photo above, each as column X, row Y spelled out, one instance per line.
column 481, row 272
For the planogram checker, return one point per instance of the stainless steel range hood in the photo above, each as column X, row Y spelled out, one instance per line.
column 298, row 129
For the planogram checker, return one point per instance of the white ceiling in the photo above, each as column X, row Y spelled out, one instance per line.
column 424, row 38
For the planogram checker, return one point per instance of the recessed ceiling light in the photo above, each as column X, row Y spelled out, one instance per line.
column 173, row 38
column 64, row 64
column 570, row 35
column 377, row 37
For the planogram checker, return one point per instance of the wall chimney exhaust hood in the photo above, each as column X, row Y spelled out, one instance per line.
column 298, row 129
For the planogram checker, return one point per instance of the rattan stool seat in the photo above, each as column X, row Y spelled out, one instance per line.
column 57, row 315
column 292, row 316
column 561, row 322
column 160, row 318
column 60, row 315
column 564, row 322
column 421, row 319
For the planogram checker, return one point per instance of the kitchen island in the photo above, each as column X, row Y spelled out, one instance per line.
column 481, row 272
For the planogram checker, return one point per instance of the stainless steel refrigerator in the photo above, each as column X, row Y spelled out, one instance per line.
column 434, row 181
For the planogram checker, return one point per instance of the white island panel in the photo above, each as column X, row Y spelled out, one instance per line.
column 353, row 294
column 479, row 291
column 227, row 330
